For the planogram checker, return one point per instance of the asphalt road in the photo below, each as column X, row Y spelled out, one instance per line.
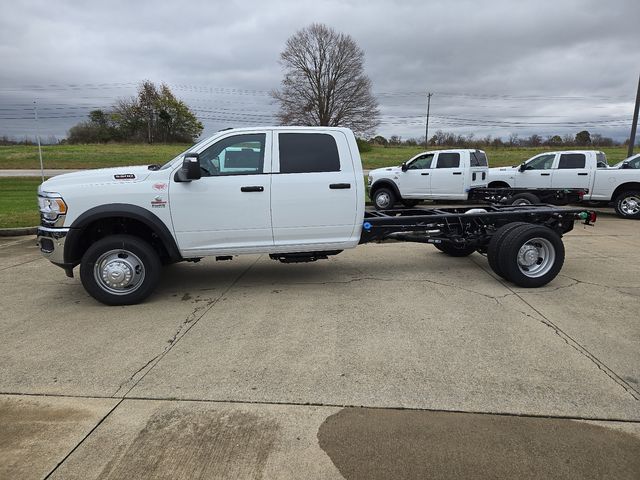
column 387, row 361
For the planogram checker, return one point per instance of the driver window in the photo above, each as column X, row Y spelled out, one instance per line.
column 543, row 162
column 422, row 162
column 236, row 155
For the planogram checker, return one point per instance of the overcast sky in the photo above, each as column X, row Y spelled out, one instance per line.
column 495, row 67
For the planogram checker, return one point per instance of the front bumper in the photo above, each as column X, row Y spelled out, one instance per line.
column 51, row 243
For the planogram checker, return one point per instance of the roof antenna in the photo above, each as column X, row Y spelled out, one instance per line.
column 35, row 111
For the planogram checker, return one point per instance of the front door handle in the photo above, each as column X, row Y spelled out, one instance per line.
column 457, row 173
column 584, row 174
column 545, row 174
column 253, row 188
column 339, row 186
column 427, row 173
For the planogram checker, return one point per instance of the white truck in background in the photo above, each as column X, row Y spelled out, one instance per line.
column 584, row 169
column 453, row 175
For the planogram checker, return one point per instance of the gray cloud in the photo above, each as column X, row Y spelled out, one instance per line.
column 575, row 60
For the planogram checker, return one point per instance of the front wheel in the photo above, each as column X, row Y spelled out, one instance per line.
column 524, row 199
column 384, row 198
column 531, row 255
column 120, row 270
column 628, row 204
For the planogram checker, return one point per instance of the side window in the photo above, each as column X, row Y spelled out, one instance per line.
column 543, row 162
column 422, row 162
column 478, row 159
column 601, row 160
column 448, row 160
column 635, row 163
column 308, row 152
column 572, row 160
column 237, row 155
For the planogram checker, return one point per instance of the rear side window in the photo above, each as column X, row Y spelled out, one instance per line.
column 572, row 160
column 448, row 160
column 478, row 159
column 308, row 152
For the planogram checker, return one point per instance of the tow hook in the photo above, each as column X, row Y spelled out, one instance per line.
column 589, row 217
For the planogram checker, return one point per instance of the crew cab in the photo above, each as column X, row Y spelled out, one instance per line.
column 584, row 169
column 294, row 193
column 436, row 175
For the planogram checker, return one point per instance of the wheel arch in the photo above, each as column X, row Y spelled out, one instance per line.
column 117, row 218
column 498, row 184
column 623, row 188
column 384, row 183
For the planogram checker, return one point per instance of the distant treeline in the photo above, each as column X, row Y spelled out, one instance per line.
column 450, row 139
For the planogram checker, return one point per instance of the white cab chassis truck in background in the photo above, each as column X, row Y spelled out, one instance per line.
column 583, row 169
column 294, row 193
column 453, row 175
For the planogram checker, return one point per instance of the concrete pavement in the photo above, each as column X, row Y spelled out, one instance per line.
column 242, row 369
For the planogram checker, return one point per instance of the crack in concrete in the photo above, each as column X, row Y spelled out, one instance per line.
column 610, row 287
column 635, row 394
column 183, row 328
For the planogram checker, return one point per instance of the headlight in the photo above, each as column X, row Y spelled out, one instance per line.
column 51, row 206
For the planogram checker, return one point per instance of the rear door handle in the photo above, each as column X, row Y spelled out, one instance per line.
column 584, row 174
column 457, row 173
column 545, row 174
column 427, row 173
column 253, row 188
column 339, row 186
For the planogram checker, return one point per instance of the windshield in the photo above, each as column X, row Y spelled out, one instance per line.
column 170, row 162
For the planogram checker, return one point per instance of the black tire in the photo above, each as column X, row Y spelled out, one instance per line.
column 384, row 198
column 493, row 251
column 546, row 254
column 454, row 250
column 123, row 257
column 627, row 204
column 524, row 199
column 410, row 203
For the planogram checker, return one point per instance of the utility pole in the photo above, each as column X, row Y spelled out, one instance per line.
column 426, row 130
column 634, row 124
column 35, row 111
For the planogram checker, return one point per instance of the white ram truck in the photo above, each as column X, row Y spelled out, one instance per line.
column 294, row 193
column 453, row 175
column 584, row 169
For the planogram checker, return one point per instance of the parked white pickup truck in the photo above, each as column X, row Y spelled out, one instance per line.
column 586, row 169
column 453, row 175
column 293, row 193
column 437, row 175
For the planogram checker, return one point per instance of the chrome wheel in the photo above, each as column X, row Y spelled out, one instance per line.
column 522, row 201
column 383, row 200
column 119, row 272
column 630, row 205
column 536, row 257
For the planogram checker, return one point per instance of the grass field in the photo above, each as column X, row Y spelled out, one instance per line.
column 18, row 195
column 113, row 155
column 18, row 202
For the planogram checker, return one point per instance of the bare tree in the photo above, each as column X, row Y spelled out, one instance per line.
column 324, row 82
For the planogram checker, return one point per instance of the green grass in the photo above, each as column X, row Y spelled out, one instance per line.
column 18, row 202
column 113, row 155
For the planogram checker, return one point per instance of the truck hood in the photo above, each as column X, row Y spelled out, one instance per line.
column 99, row 176
column 385, row 171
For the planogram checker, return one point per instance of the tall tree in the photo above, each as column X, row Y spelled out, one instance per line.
column 324, row 82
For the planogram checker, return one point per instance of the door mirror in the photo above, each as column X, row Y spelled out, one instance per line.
column 404, row 167
column 523, row 167
column 625, row 165
column 190, row 169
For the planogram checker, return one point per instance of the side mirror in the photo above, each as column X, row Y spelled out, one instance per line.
column 190, row 169
column 404, row 167
column 523, row 167
column 625, row 165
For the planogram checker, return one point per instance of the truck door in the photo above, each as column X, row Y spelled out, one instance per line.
column 229, row 207
column 313, row 190
column 415, row 182
column 572, row 172
column 537, row 173
column 448, row 177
